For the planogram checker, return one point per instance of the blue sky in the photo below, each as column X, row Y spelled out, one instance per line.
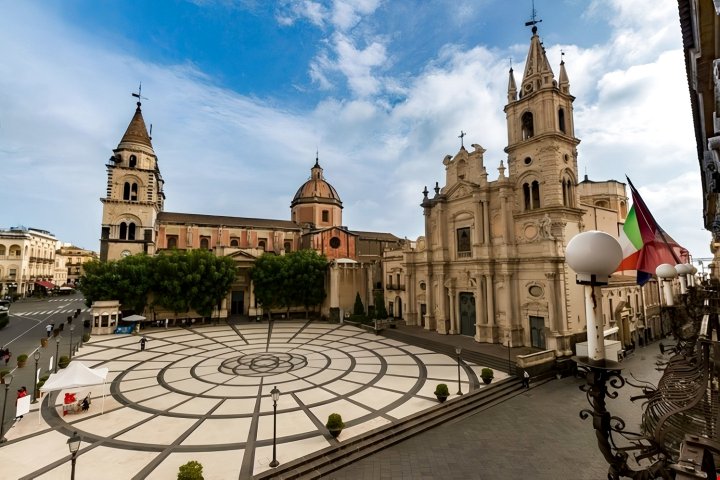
column 241, row 93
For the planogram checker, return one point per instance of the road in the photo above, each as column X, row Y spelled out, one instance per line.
column 28, row 322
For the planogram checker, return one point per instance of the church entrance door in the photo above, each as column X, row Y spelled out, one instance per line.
column 237, row 306
column 467, row 314
column 537, row 332
column 423, row 312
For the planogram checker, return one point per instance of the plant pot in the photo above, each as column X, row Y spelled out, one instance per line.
column 21, row 363
column 441, row 398
column 335, row 432
column 44, row 342
column 486, row 380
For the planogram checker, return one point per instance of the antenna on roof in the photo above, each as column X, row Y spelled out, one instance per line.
column 139, row 95
column 534, row 20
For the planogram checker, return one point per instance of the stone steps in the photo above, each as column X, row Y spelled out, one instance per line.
column 468, row 355
column 323, row 462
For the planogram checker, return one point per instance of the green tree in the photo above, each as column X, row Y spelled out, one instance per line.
column 358, row 308
column 269, row 279
column 209, row 280
column 305, row 281
column 380, row 310
column 127, row 280
column 192, row 470
column 170, row 281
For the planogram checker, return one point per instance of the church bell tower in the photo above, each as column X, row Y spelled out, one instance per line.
column 134, row 194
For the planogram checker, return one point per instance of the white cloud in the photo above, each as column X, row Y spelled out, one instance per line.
column 224, row 153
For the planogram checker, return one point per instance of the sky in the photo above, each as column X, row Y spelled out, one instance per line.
column 243, row 93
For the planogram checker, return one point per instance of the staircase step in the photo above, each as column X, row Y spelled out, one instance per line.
column 333, row 458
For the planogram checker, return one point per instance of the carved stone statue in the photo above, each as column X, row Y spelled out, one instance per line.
column 544, row 226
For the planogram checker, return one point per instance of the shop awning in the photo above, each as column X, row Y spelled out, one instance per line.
column 45, row 284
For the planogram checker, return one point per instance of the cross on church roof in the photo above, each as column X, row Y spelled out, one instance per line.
column 462, row 134
column 139, row 95
column 534, row 20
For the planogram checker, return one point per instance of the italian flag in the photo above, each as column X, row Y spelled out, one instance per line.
column 644, row 244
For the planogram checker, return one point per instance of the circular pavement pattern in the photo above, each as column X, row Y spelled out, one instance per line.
column 205, row 391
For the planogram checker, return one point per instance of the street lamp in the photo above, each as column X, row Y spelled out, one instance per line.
column 36, row 356
column 73, row 445
column 666, row 273
column 594, row 256
column 458, row 351
column 683, row 270
column 7, row 379
column 72, row 328
column 57, row 352
column 275, row 393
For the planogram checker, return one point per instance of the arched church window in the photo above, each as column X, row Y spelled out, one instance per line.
column 205, row 243
column 126, row 191
column 2, row 250
column 535, row 187
column 234, row 242
column 463, row 242
column 123, row 231
column 528, row 129
column 461, row 167
column 526, row 196
column 567, row 189
column 131, row 231
column 133, row 161
column 325, row 216
column 134, row 192
column 623, row 209
column 262, row 244
column 561, row 120
column 287, row 246
column 172, row 241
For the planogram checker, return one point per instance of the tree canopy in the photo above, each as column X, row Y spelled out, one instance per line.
column 293, row 280
column 176, row 280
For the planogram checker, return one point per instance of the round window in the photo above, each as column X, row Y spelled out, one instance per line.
column 535, row 291
column 423, row 286
column 335, row 242
column 528, row 160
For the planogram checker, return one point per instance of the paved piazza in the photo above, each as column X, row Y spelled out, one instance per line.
column 204, row 394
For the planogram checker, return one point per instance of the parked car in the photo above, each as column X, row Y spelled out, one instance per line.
column 4, row 306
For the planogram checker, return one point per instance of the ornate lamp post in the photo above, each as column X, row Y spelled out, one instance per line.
column 458, row 351
column 73, row 445
column 683, row 270
column 36, row 356
column 7, row 379
column 275, row 393
column 72, row 328
column 594, row 256
column 57, row 352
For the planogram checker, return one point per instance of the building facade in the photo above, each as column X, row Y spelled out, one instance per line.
column 27, row 261
column 491, row 264
column 73, row 259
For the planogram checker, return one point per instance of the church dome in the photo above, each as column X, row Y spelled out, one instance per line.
column 316, row 189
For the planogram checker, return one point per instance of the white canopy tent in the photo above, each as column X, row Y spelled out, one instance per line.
column 76, row 375
column 134, row 318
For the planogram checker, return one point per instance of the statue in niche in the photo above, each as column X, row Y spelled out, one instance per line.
column 545, row 226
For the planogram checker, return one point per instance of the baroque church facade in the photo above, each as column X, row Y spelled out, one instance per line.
column 491, row 263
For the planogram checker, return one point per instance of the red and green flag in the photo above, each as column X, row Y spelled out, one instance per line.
column 645, row 245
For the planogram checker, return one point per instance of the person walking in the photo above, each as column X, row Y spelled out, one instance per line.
column 22, row 392
column 48, row 329
column 142, row 343
column 6, row 356
column 526, row 379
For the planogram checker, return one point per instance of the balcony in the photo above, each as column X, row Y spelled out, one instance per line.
column 467, row 254
column 395, row 286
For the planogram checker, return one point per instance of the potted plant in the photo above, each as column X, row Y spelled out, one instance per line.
column 43, row 342
column 487, row 375
column 21, row 360
column 334, row 424
column 63, row 361
column 441, row 392
column 192, row 470
column 2, row 375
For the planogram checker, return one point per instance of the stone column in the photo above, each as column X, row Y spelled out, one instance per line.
column 553, row 302
column 334, row 286
column 440, row 311
column 453, row 311
column 478, row 234
column 486, row 223
column 490, row 300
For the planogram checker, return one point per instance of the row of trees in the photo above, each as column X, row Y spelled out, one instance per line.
column 176, row 280
column 293, row 280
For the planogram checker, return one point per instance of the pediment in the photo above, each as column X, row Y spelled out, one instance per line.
column 241, row 255
column 461, row 189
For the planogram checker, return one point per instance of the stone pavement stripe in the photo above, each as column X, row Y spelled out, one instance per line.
column 269, row 335
column 299, row 331
column 236, row 330
column 316, row 421
column 170, row 448
column 248, row 462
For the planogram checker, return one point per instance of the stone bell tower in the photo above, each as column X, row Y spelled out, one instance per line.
column 134, row 194
column 542, row 153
